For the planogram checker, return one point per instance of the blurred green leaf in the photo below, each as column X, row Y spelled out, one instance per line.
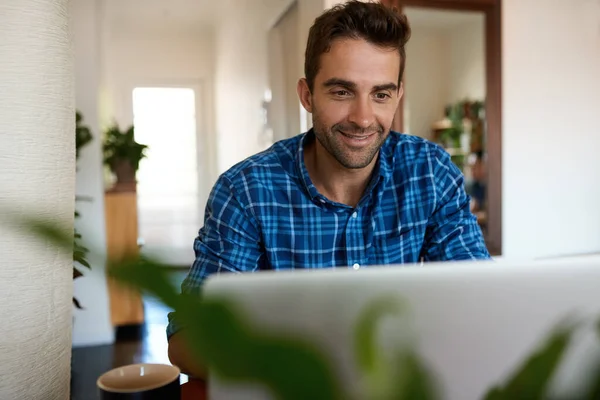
column 532, row 378
column 64, row 239
column 76, row 303
column 495, row 394
column 217, row 333
column 78, row 247
column 414, row 380
column 593, row 391
column 293, row 368
column 396, row 376
column 80, row 258
column 44, row 230
column 370, row 358
column 368, row 355
column 80, row 252
column 146, row 275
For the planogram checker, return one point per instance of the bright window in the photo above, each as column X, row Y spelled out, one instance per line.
column 168, row 211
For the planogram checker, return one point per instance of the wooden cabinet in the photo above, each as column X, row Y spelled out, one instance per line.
column 126, row 306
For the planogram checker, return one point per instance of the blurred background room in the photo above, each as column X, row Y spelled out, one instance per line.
column 510, row 88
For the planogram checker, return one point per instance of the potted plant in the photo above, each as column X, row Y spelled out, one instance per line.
column 83, row 136
column 122, row 154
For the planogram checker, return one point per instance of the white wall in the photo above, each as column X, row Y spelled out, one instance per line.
column 445, row 64
column 242, row 73
column 230, row 61
column 551, row 134
column 277, row 116
column 172, row 56
column 92, row 325
column 292, row 72
column 109, row 64
column 113, row 57
column 427, row 81
column 308, row 11
column 138, row 57
column 291, row 34
column 467, row 61
column 284, row 72
column 241, row 82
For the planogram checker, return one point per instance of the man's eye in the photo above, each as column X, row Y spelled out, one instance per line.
column 381, row 96
column 341, row 93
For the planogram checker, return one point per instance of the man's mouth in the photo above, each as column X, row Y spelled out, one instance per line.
column 358, row 137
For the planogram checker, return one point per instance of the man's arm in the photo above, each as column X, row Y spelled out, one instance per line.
column 452, row 231
column 180, row 356
column 228, row 242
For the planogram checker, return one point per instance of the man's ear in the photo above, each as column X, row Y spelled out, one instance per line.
column 400, row 91
column 400, row 94
column 304, row 94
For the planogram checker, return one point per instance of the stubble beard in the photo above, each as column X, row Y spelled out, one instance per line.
column 329, row 138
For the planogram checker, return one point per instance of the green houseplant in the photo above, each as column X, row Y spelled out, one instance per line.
column 83, row 136
column 122, row 154
column 450, row 136
column 218, row 332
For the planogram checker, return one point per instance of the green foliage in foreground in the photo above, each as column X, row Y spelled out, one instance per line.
column 295, row 368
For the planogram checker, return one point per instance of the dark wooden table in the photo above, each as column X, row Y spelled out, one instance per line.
column 194, row 389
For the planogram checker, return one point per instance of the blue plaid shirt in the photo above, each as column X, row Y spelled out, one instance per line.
column 265, row 213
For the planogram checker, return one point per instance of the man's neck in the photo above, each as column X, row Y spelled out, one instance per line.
column 334, row 181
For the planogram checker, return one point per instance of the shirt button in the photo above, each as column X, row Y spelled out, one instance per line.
column 354, row 214
column 356, row 266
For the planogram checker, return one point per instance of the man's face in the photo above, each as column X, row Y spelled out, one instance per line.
column 354, row 99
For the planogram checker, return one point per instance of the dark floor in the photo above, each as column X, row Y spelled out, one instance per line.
column 133, row 345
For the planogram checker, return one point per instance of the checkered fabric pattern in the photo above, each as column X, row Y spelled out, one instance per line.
column 265, row 213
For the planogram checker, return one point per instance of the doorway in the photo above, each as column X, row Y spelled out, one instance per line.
column 169, row 183
column 481, row 106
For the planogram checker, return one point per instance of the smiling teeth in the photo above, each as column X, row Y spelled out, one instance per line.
column 357, row 137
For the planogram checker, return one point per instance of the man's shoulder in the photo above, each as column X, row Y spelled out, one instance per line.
column 420, row 160
column 276, row 161
column 408, row 149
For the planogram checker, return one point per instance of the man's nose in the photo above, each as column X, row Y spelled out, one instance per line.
column 362, row 113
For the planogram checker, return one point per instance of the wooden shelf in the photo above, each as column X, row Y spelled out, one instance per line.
column 126, row 306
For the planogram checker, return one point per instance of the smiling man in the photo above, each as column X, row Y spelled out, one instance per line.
column 348, row 193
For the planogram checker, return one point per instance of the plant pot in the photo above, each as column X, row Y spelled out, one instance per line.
column 125, row 175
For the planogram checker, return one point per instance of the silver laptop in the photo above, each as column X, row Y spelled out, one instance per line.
column 473, row 322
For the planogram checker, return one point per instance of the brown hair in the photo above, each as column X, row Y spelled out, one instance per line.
column 377, row 24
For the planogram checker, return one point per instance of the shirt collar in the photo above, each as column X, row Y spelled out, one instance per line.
column 381, row 173
column 301, row 166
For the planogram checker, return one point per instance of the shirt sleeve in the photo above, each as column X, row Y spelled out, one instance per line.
column 229, row 241
column 452, row 231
